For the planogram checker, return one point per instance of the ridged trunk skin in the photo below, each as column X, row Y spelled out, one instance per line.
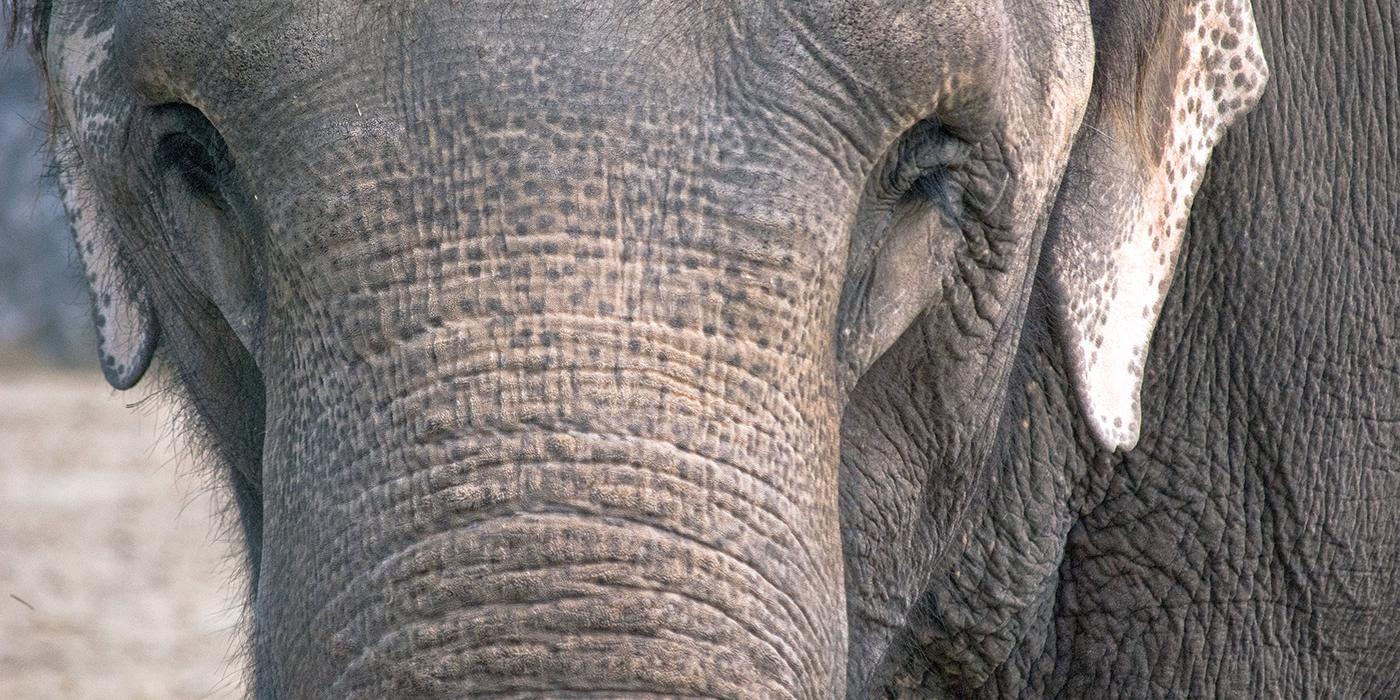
column 529, row 518
column 562, row 422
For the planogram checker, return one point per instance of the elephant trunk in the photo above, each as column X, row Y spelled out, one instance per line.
column 573, row 473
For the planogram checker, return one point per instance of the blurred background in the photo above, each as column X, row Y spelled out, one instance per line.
column 114, row 581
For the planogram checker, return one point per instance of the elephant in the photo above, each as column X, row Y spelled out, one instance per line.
column 765, row 349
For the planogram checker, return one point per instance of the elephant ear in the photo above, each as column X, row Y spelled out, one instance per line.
column 1167, row 82
column 81, row 74
column 126, row 328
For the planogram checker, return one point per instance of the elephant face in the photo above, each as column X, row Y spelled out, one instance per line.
column 525, row 330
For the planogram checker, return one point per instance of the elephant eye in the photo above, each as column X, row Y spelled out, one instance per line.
column 192, row 148
column 925, row 163
column 958, row 174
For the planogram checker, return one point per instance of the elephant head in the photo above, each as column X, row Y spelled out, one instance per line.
column 524, row 330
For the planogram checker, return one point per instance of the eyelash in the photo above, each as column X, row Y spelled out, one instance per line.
column 194, row 151
column 194, row 162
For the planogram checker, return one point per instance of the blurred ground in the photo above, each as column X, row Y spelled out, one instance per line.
column 106, row 531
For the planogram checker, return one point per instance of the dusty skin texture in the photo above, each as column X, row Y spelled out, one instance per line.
column 550, row 355
column 106, row 533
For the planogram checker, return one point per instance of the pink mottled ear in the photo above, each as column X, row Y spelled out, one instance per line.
column 126, row 329
column 1165, row 88
column 83, row 82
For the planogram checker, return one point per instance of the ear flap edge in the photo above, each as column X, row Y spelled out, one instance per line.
column 127, row 331
column 1117, row 227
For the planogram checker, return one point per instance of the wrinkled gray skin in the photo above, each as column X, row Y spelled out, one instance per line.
column 728, row 349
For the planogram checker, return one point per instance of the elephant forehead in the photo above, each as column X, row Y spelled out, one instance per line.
column 507, row 173
column 473, row 152
column 874, row 66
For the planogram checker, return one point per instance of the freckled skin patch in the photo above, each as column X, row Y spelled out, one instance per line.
column 126, row 330
column 1118, row 227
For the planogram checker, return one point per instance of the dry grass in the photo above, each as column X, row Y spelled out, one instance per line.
column 112, row 584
